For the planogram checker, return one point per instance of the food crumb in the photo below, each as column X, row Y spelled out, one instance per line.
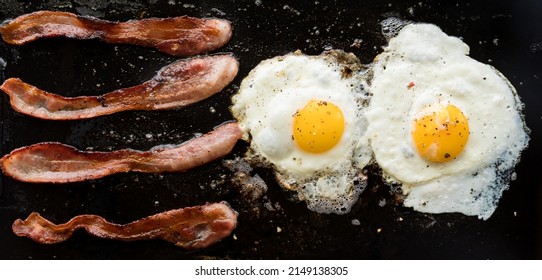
column 356, row 43
column 356, row 222
column 292, row 10
column 234, row 237
column 279, row 230
column 219, row 12
column 156, row 203
column 378, row 230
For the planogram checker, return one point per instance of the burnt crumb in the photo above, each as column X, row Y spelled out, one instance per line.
column 399, row 198
column 250, row 186
column 369, row 77
column 346, row 72
column 348, row 60
column 283, row 182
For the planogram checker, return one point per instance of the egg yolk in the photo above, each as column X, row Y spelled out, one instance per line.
column 441, row 135
column 318, row 126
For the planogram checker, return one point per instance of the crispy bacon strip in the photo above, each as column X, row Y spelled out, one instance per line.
column 191, row 228
column 58, row 163
column 176, row 85
column 179, row 36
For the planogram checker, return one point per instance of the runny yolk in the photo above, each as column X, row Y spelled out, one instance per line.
column 441, row 135
column 318, row 126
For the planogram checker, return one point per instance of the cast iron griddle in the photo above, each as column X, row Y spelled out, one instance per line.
column 506, row 34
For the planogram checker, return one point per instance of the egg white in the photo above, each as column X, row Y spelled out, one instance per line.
column 422, row 66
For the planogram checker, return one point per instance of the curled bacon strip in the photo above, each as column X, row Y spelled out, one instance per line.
column 191, row 228
column 176, row 85
column 179, row 36
column 58, row 163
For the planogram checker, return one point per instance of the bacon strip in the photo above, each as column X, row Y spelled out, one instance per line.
column 179, row 36
column 58, row 163
column 191, row 228
column 177, row 85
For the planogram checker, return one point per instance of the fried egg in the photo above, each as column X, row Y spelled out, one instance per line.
column 446, row 127
column 303, row 116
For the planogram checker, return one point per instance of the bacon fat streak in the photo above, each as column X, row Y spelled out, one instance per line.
column 191, row 228
column 176, row 85
column 179, row 36
column 58, row 163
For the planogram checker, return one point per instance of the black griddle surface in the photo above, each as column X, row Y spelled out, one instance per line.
column 505, row 34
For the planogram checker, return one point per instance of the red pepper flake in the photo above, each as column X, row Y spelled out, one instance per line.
column 410, row 85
